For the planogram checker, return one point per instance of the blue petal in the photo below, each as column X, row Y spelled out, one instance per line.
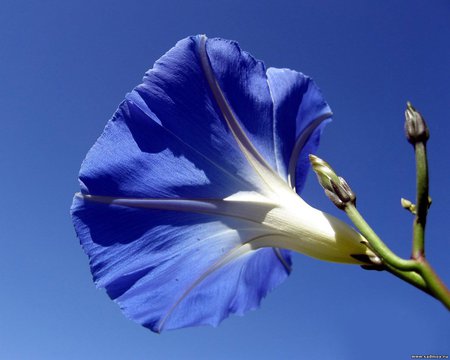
column 208, row 122
column 171, row 269
column 283, row 114
column 297, row 99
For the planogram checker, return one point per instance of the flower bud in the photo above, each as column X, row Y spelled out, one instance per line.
column 416, row 129
column 336, row 188
column 408, row 205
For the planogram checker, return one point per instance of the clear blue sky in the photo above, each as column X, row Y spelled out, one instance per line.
column 64, row 68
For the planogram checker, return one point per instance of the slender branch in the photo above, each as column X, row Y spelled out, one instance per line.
column 410, row 277
column 417, row 134
column 422, row 202
column 435, row 285
column 416, row 271
column 377, row 245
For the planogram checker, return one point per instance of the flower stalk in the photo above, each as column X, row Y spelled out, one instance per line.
column 416, row 271
column 417, row 134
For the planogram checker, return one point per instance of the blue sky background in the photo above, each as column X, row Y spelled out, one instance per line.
column 64, row 68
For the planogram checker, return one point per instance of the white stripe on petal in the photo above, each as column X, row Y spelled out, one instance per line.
column 246, row 206
column 253, row 156
column 291, row 223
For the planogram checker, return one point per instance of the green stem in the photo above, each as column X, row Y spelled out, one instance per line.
column 435, row 285
column 422, row 201
column 377, row 245
column 410, row 277
column 417, row 272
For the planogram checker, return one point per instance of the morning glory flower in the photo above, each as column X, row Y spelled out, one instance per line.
column 189, row 202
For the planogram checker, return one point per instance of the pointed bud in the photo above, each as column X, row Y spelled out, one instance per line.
column 325, row 174
column 408, row 205
column 415, row 127
column 336, row 188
